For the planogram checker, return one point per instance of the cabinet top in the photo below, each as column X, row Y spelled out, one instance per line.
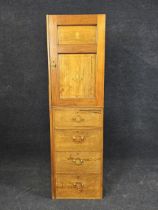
column 75, row 14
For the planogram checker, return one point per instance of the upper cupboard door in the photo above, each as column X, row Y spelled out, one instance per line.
column 76, row 46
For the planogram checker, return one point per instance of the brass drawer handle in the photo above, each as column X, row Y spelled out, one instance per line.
column 79, row 186
column 78, row 118
column 78, row 139
column 77, row 161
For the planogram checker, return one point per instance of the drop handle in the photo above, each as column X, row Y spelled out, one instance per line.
column 79, row 186
column 78, row 139
column 78, row 119
column 77, row 161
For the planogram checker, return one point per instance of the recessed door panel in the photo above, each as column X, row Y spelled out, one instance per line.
column 76, row 34
column 77, row 75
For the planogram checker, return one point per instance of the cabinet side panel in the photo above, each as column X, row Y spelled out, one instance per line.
column 48, row 55
column 53, row 58
column 100, row 59
column 50, row 110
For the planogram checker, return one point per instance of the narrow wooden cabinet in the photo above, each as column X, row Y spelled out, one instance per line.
column 76, row 45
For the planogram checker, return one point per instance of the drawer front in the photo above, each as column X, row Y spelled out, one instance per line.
column 78, row 162
column 74, row 186
column 78, row 117
column 78, row 140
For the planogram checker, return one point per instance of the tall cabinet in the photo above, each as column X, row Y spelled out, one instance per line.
column 76, row 45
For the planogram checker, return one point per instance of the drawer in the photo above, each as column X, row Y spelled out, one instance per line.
column 78, row 140
column 78, row 117
column 77, row 34
column 78, row 162
column 74, row 186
